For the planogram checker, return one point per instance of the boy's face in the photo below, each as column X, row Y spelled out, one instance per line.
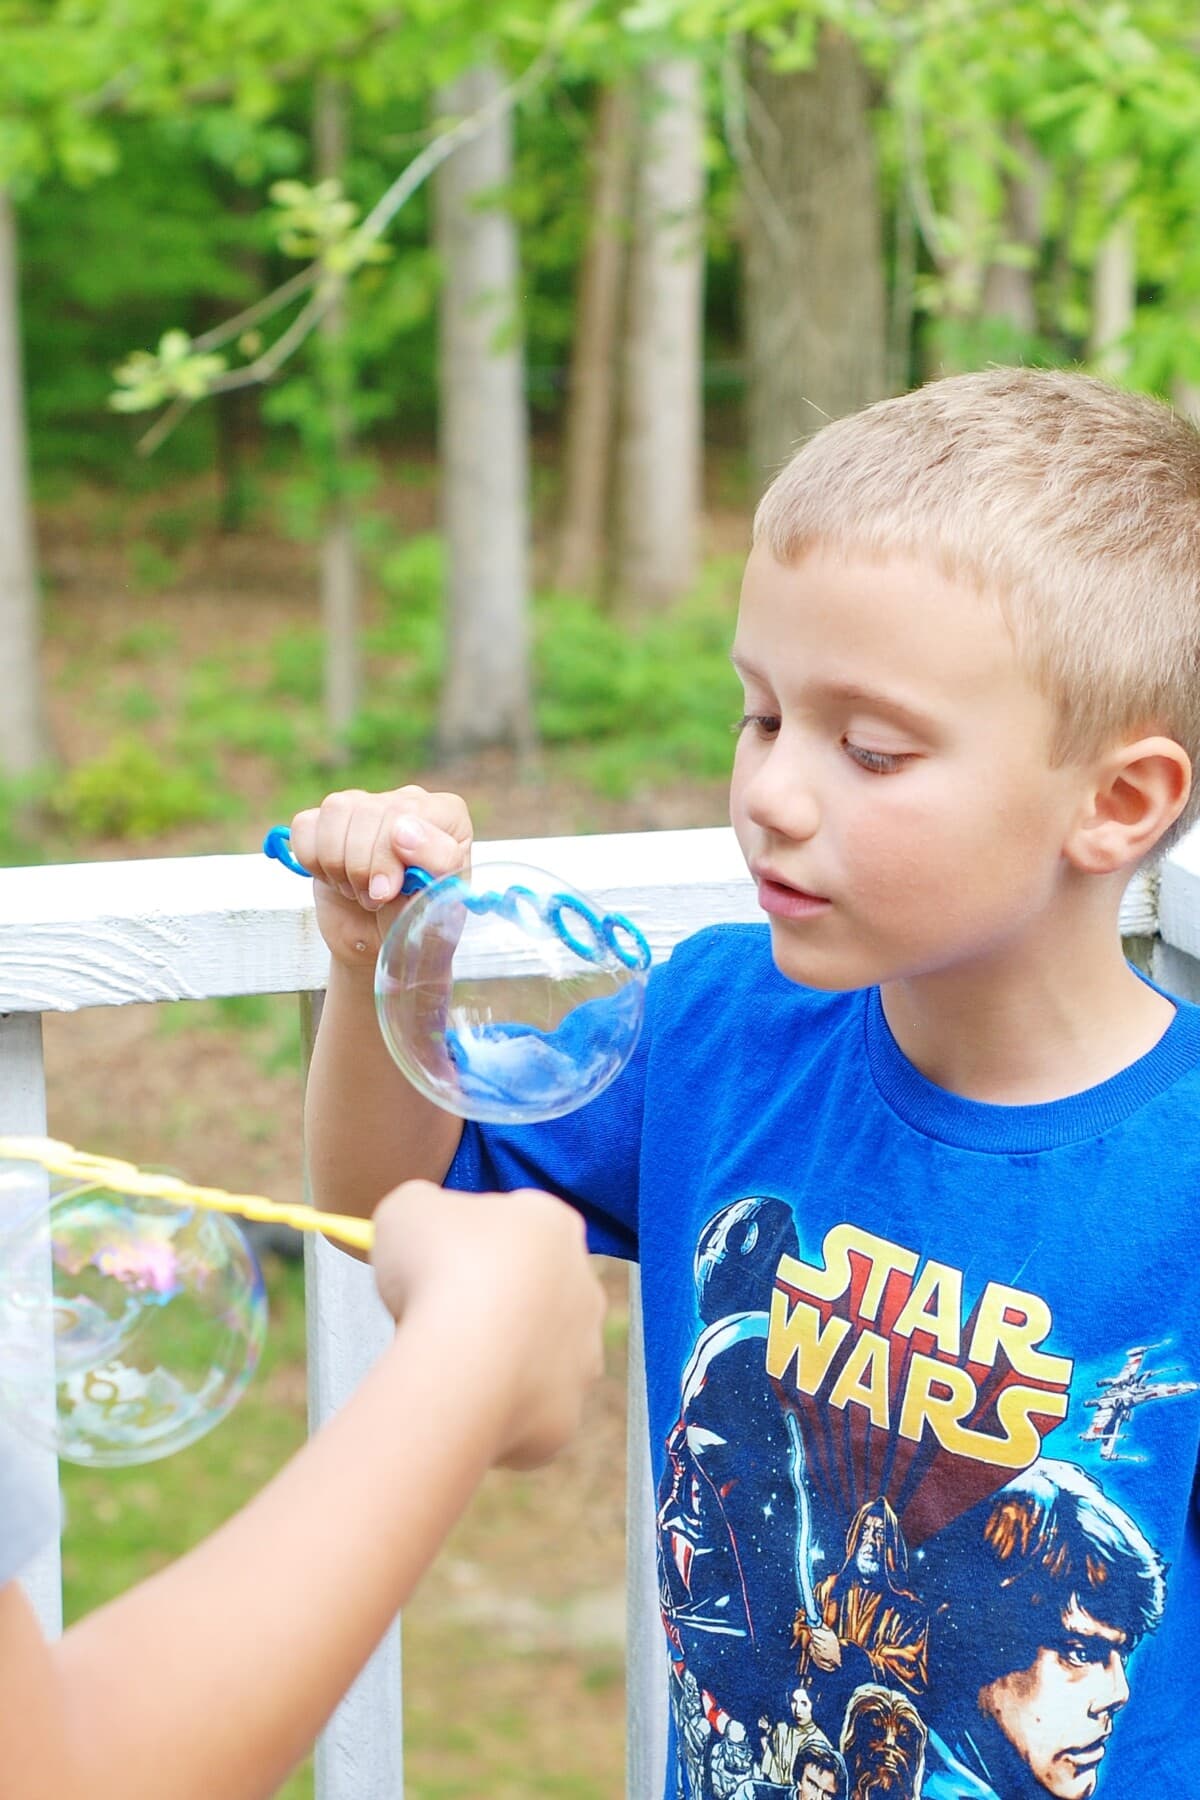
column 892, row 790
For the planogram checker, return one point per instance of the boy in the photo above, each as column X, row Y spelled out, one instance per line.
column 213, row 1677
column 911, row 1171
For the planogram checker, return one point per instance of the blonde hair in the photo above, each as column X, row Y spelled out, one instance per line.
column 1075, row 504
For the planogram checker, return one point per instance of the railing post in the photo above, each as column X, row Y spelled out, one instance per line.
column 23, row 1112
column 360, row 1754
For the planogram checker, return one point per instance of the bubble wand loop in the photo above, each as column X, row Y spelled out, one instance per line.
column 109, row 1172
column 608, row 933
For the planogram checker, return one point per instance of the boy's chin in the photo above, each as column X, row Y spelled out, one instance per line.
column 821, row 973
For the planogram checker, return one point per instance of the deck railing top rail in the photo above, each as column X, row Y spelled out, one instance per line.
column 187, row 928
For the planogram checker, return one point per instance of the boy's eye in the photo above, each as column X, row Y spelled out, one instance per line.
column 877, row 762
column 765, row 725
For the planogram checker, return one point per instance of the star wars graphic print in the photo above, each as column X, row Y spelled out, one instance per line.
column 877, row 1582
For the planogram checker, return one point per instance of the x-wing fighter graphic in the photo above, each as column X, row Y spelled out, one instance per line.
column 1131, row 1387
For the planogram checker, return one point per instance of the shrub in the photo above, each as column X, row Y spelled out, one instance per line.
column 129, row 792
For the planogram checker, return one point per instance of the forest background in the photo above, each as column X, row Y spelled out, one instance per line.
column 384, row 395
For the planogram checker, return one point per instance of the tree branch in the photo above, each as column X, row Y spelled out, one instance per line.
column 266, row 366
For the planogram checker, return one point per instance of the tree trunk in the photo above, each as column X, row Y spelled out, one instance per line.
column 660, row 447
column 340, row 595
column 1009, row 290
column 23, row 737
column 588, row 438
column 816, row 329
column 1114, row 298
column 484, row 436
column 1185, row 397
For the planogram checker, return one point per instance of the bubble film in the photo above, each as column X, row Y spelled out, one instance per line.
column 514, row 1047
column 129, row 1327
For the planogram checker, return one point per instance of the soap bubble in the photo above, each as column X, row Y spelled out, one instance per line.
column 529, row 1044
column 128, row 1326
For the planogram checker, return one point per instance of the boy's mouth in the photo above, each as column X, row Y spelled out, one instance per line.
column 783, row 901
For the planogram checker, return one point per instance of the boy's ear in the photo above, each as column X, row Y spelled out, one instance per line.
column 1138, row 792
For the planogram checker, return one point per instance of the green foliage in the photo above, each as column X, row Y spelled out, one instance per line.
column 268, row 1024
column 224, row 711
column 138, row 705
column 22, row 807
column 146, row 640
column 175, row 371
column 296, row 658
column 130, row 792
column 651, row 698
column 149, row 569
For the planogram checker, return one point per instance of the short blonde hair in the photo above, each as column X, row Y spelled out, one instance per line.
column 1074, row 503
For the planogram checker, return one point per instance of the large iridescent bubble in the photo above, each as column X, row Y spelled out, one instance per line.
column 128, row 1326
column 505, row 996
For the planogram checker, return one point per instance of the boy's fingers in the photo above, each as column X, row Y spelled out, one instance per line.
column 333, row 826
column 427, row 846
column 304, row 836
column 387, row 868
column 362, row 831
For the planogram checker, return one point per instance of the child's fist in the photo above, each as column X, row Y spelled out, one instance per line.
column 359, row 846
column 511, row 1278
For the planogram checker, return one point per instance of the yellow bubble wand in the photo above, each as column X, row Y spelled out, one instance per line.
column 123, row 1177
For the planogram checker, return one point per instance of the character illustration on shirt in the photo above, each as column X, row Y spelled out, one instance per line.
column 883, row 1745
column 783, row 1742
column 971, row 1638
column 727, row 1504
column 871, row 1627
column 1039, row 1598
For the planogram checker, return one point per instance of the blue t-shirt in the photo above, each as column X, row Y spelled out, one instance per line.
column 924, row 1393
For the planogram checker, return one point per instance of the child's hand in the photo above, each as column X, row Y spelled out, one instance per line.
column 510, row 1276
column 358, row 847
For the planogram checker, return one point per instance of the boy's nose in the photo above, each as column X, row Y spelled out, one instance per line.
column 778, row 799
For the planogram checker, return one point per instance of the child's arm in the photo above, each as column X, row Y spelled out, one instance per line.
column 213, row 1677
column 365, row 1127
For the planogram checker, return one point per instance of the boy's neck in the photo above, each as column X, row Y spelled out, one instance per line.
column 1029, row 1029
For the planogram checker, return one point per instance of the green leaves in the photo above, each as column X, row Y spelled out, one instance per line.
column 317, row 224
column 175, row 371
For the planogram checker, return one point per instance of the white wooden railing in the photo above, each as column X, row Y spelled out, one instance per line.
column 108, row 934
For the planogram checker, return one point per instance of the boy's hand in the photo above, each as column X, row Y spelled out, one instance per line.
column 509, row 1276
column 358, row 847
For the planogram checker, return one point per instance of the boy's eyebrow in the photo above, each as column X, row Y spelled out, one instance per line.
column 883, row 702
column 855, row 692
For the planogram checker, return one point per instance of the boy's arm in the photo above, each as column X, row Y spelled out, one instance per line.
column 366, row 1127
column 214, row 1676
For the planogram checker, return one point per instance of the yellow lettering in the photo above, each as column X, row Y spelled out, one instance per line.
column 831, row 1282
column 1016, row 1410
column 797, row 1335
column 863, row 1378
column 1016, row 1322
column 944, row 1411
column 935, row 1306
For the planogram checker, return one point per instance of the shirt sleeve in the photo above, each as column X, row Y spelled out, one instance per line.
column 28, row 1512
column 591, row 1157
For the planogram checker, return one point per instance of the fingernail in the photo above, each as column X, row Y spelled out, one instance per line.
column 408, row 833
column 380, row 887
